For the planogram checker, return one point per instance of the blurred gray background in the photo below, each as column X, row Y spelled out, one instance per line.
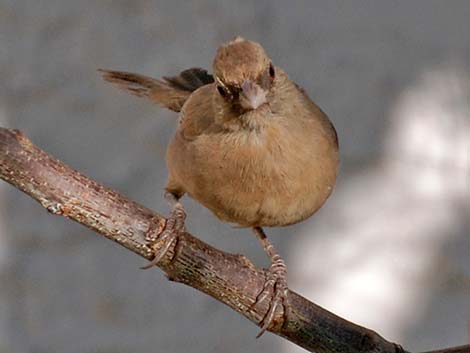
column 390, row 250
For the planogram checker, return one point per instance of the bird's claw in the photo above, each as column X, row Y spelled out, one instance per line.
column 275, row 288
column 173, row 227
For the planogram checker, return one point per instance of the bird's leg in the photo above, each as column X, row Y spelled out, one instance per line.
column 275, row 288
column 173, row 227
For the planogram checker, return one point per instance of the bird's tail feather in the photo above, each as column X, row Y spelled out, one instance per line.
column 170, row 92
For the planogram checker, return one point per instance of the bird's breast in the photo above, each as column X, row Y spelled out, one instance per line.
column 271, row 177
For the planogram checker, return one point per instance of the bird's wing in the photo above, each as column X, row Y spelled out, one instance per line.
column 170, row 92
column 197, row 116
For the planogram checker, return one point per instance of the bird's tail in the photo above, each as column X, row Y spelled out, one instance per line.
column 170, row 92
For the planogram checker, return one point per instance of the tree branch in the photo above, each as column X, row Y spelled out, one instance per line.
column 231, row 279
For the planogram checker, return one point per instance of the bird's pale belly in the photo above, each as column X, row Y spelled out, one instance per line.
column 254, row 196
column 269, row 208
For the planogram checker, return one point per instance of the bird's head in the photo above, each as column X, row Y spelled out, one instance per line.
column 243, row 74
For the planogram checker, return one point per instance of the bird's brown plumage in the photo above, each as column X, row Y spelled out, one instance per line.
column 271, row 166
column 275, row 169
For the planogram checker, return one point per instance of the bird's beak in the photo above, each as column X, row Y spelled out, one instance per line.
column 252, row 95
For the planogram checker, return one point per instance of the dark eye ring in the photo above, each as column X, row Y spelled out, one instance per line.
column 272, row 73
column 222, row 91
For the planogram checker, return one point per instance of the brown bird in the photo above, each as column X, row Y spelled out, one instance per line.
column 250, row 146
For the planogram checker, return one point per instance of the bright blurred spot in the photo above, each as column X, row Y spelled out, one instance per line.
column 430, row 130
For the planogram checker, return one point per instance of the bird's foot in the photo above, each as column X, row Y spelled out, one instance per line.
column 275, row 289
column 173, row 227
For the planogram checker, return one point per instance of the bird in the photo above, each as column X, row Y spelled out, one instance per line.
column 250, row 146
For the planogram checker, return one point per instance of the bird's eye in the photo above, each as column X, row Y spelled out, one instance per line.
column 222, row 91
column 272, row 73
